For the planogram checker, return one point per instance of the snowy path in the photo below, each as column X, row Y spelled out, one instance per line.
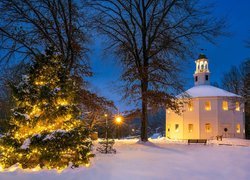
column 157, row 160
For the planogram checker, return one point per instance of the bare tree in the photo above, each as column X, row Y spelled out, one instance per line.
column 246, row 82
column 246, row 94
column 237, row 80
column 95, row 108
column 29, row 26
column 232, row 80
column 151, row 38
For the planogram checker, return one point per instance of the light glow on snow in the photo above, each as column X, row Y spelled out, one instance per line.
column 157, row 159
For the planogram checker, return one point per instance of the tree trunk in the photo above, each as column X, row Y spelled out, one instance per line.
column 144, row 85
column 144, row 116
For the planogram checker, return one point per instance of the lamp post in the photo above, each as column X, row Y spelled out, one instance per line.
column 118, row 121
column 106, row 116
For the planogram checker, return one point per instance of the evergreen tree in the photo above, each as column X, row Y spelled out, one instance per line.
column 106, row 146
column 46, row 130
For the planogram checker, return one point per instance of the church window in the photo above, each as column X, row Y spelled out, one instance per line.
column 196, row 78
column 225, row 105
column 190, row 128
column 176, row 127
column 238, row 128
column 206, row 77
column 237, row 106
column 208, row 127
column 207, row 106
column 190, row 106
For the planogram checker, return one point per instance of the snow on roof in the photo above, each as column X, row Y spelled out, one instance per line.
column 208, row 91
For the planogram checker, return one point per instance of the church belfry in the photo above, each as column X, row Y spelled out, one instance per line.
column 202, row 74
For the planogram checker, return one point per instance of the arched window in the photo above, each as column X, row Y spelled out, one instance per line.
column 237, row 106
column 190, row 128
column 238, row 128
column 207, row 106
column 176, row 127
column 190, row 106
column 225, row 105
column 208, row 127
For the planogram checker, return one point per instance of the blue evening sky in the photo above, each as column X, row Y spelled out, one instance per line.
column 227, row 52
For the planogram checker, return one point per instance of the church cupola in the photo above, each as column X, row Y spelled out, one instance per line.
column 201, row 74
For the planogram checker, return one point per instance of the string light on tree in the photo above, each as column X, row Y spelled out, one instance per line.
column 46, row 128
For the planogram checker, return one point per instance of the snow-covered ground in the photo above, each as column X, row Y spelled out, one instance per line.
column 158, row 159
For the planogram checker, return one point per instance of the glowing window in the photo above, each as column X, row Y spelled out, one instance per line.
column 176, row 127
column 190, row 106
column 237, row 106
column 190, row 128
column 208, row 106
column 238, row 128
column 208, row 127
column 225, row 105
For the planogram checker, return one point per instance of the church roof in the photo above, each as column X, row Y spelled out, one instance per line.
column 208, row 91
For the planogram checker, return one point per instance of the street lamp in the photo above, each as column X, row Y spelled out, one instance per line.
column 118, row 121
column 106, row 116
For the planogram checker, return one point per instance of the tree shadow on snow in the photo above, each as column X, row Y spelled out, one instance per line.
column 153, row 145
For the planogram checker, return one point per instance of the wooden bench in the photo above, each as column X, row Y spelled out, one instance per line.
column 203, row 141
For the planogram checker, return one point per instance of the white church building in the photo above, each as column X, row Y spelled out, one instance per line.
column 209, row 111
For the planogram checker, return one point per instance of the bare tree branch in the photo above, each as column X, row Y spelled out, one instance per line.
column 29, row 26
column 150, row 37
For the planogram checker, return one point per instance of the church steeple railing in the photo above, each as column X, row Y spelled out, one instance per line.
column 202, row 73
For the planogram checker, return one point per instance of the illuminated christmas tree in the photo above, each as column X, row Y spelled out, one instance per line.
column 46, row 130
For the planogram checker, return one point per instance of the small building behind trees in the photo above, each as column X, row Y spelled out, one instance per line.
column 208, row 112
